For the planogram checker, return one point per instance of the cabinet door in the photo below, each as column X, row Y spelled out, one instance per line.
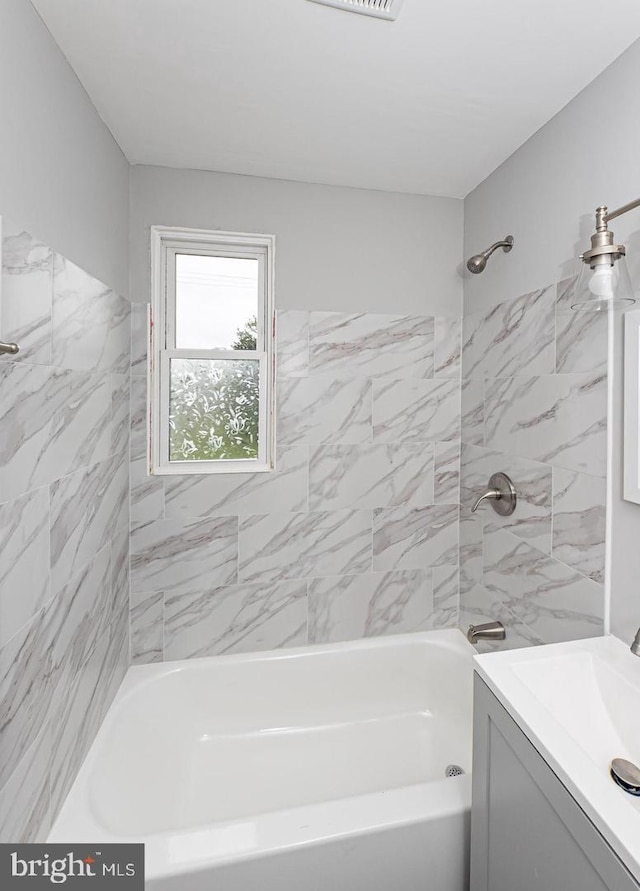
column 527, row 832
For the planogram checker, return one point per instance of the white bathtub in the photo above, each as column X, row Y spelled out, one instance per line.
column 317, row 768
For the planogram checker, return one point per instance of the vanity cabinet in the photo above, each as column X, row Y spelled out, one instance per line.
column 527, row 832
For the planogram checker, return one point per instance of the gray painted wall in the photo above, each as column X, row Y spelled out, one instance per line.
column 545, row 195
column 348, row 250
column 62, row 175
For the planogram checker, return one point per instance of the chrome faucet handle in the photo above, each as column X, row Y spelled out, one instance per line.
column 502, row 493
column 490, row 493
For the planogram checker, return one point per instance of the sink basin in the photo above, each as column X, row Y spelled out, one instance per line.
column 598, row 705
column 579, row 704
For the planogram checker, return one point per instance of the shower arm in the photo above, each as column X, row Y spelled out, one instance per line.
column 504, row 243
column 478, row 262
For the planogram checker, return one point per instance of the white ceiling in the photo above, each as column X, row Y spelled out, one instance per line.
column 430, row 104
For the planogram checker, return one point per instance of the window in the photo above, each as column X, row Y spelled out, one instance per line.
column 212, row 351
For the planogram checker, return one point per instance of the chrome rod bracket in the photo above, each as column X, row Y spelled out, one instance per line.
column 9, row 348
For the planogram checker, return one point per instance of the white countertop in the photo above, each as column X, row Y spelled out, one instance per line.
column 579, row 704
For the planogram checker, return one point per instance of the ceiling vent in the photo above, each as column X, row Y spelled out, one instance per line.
column 379, row 9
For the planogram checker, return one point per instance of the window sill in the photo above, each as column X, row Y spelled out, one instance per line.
column 205, row 468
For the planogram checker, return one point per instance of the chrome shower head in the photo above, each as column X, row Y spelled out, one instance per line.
column 478, row 262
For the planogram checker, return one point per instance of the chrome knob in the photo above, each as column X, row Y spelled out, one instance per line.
column 501, row 493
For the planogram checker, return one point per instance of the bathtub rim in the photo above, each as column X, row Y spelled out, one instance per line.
column 138, row 676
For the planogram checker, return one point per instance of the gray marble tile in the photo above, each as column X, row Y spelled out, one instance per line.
column 147, row 628
column 26, row 687
column 422, row 411
column 24, row 560
column 514, row 337
column 353, row 607
column 116, row 663
column 77, row 616
column 472, row 411
column 446, row 473
column 120, row 404
column 183, row 555
column 564, row 294
column 581, row 341
column 138, row 438
column 371, row 345
column 25, row 812
column 405, row 538
column 54, row 421
column 90, row 697
column 91, row 325
column 26, row 295
column 147, row 493
column 39, row 664
column 72, row 623
column 62, row 420
column 579, row 513
column 139, row 338
column 83, row 710
column 531, row 520
column 236, row 619
column 323, row 409
column 446, row 597
column 292, row 343
column 227, row 494
column 554, row 601
column 448, row 347
column 471, row 536
column 302, row 545
column 479, row 605
column 367, row 476
column 119, row 572
column 557, row 419
column 87, row 507
column 107, row 667
column 71, row 732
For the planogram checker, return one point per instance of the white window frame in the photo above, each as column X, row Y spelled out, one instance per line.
column 166, row 242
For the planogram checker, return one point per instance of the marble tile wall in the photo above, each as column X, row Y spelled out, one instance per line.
column 534, row 404
column 355, row 533
column 64, row 524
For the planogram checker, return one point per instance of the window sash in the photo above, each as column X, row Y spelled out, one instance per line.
column 204, row 251
column 244, row 464
column 166, row 243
